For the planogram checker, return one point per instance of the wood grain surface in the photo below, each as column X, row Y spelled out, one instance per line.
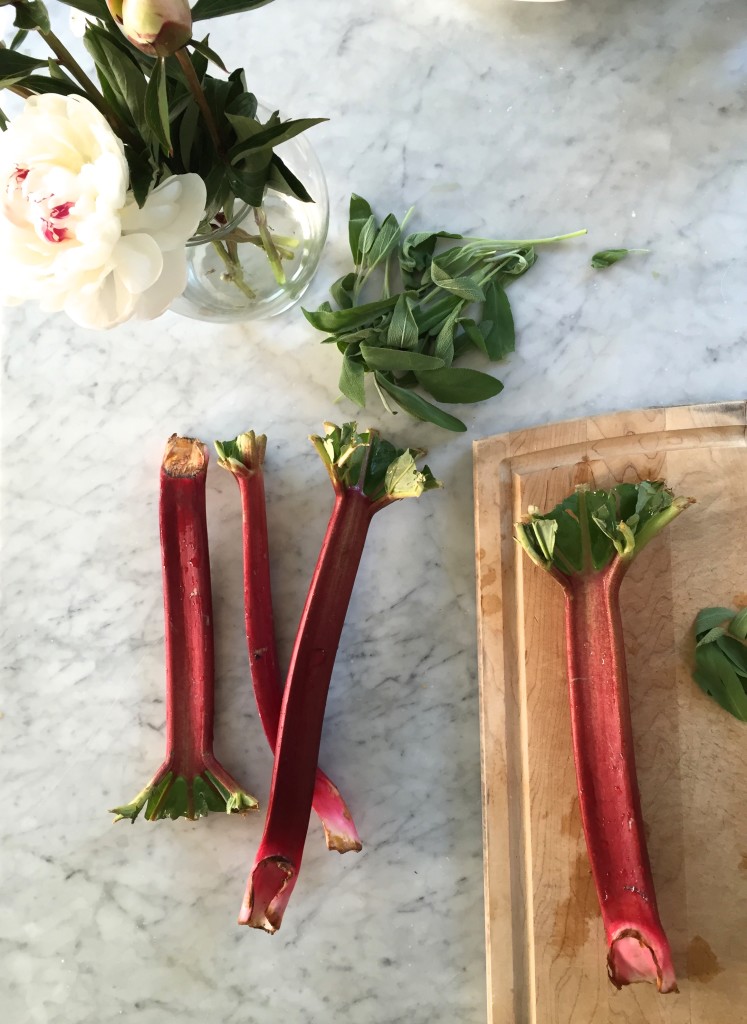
column 545, row 942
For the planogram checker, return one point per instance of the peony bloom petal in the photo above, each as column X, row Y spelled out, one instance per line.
column 171, row 283
column 171, row 213
column 138, row 262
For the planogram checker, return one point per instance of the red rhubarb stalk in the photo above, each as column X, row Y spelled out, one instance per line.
column 191, row 781
column 244, row 457
column 368, row 474
column 587, row 544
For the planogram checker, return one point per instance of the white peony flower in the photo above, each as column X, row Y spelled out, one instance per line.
column 71, row 234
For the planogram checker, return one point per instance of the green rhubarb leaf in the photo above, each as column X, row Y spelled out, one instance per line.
column 592, row 527
column 242, row 455
column 364, row 461
column 169, row 796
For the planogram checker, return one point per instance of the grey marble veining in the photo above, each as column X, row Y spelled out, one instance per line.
column 492, row 117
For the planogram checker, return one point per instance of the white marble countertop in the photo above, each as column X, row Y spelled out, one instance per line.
column 492, row 117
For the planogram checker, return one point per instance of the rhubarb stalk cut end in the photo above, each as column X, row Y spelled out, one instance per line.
column 243, row 455
column 184, row 456
column 632, row 959
column 267, row 894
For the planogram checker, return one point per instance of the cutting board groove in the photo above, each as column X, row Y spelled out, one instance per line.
column 545, row 943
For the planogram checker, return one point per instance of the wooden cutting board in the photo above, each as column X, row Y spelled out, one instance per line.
column 545, row 943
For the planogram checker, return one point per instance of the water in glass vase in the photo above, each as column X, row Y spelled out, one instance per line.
column 261, row 261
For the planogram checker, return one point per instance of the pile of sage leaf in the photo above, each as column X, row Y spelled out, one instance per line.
column 411, row 308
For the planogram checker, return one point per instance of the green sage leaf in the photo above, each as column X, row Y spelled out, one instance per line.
column 497, row 327
column 455, row 385
column 360, row 215
column 331, row 320
column 418, row 407
column 403, row 331
column 465, row 287
column 606, row 257
column 352, row 381
column 397, row 360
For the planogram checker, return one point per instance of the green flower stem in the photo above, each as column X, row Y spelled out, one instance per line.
column 268, row 243
column 67, row 60
column 197, row 91
column 235, row 273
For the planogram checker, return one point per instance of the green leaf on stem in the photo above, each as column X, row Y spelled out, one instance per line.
column 93, row 8
column 202, row 47
column 283, row 180
column 456, row 386
column 157, row 106
column 419, row 407
column 142, row 173
column 342, row 291
column 32, row 15
column 14, row 67
column 385, row 241
column 18, row 38
column 272, row 135
column 205, row 9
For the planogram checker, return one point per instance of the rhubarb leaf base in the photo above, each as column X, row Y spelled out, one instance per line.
column 173, row 796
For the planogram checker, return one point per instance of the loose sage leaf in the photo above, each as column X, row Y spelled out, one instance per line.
column 342, row 291
column 347, row 319
column 419, row 407
column 386, row 239
column 456, row 385
column 606, row 257
column 397, row 360
column 736, row 652
column 205, row 9
column 709, row 618
column 366, row 239
column 352, row 381
column 443, row 346
column 465, row 287
column 715, row 675
column 360, row 213
column 403, row 331
column 473, row 333
column 157, row 106
column 738, row 625
column 497, row 327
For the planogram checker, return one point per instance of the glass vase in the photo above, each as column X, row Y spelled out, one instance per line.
column 259, row 262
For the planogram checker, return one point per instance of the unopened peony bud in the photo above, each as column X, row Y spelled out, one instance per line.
column 157, row 27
